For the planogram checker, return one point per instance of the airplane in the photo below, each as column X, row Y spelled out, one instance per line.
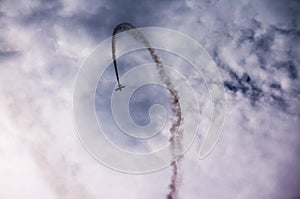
column 119, row 87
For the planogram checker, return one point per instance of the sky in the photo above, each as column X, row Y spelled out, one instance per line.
column 255, row 44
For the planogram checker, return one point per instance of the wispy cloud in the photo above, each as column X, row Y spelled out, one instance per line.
column 254, row 43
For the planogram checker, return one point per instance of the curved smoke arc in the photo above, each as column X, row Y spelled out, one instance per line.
column 175, row 130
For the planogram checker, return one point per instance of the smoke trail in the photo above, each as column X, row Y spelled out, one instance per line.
column 175, row 130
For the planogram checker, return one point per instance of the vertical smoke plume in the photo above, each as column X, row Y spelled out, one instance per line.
column 175, row 130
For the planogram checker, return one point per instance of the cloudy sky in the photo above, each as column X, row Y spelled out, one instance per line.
column 255, row 44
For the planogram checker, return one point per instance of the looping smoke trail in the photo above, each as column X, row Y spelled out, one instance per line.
column 175, row 130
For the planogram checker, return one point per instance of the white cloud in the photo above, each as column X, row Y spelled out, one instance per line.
column 40, row 152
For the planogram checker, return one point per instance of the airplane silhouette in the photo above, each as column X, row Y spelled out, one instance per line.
column 119, row 87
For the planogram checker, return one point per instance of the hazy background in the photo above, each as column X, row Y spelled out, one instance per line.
column 256, row 45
